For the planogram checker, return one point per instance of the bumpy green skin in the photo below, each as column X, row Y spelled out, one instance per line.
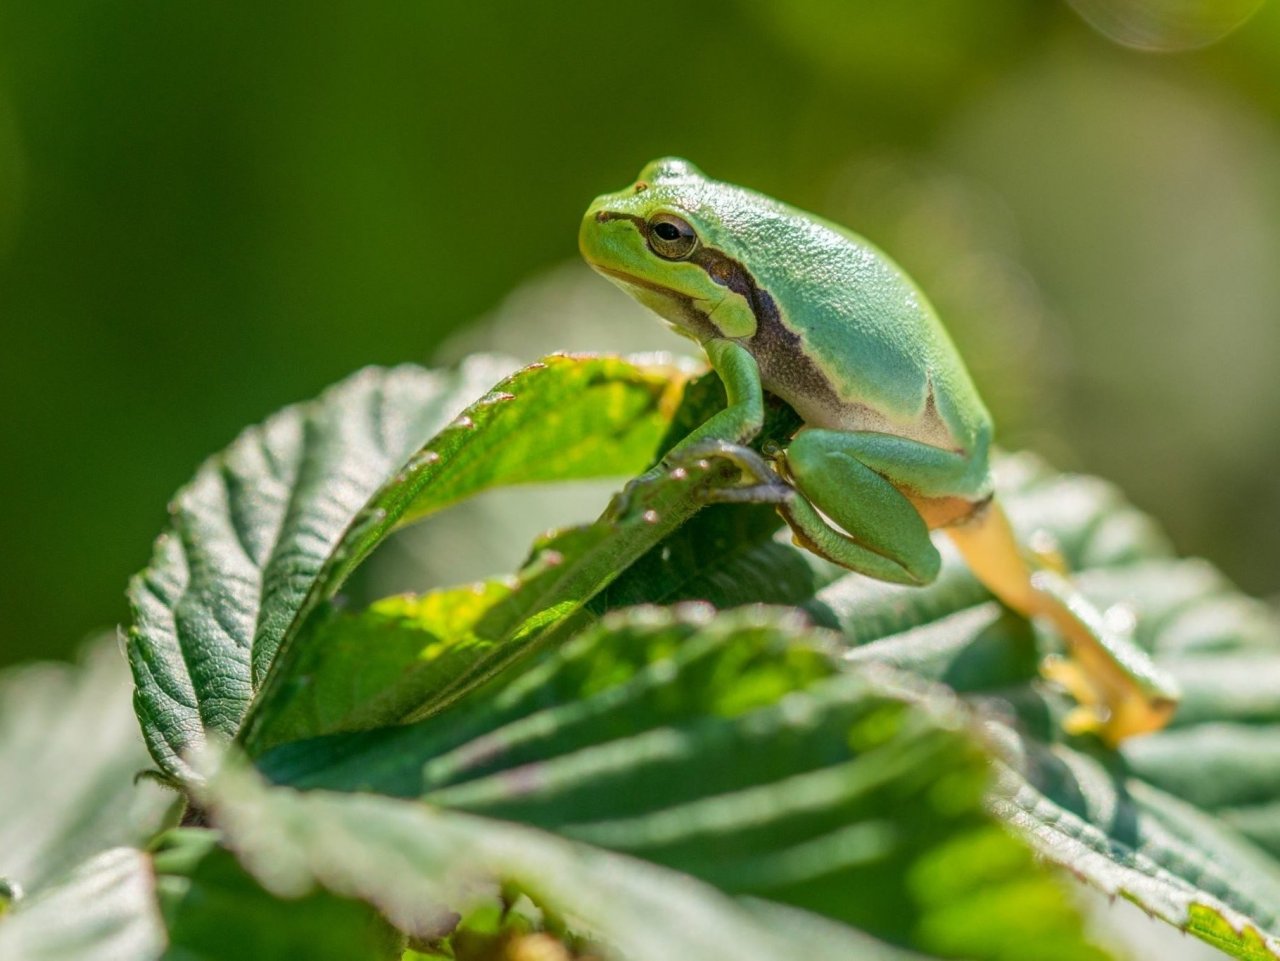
column 806, row 310
column 896, row 438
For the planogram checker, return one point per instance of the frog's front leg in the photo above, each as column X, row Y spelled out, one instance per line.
column 738, row 423
column 743, row 416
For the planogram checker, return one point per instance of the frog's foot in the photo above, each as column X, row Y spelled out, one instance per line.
column 1112, row 721
column 1113, row 712
column 759, row 483
column 1108, row 674
column 1090, row 715
column 1120, row 690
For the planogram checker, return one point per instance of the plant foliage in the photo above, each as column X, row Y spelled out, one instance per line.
column 670, row 733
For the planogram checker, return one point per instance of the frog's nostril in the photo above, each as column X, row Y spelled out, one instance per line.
column 602, row 216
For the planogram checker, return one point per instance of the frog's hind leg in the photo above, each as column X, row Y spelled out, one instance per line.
column 881, row 532
column 886, row 538
column 1120, row 690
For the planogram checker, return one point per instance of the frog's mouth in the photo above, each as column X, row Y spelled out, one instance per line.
column 634, row 281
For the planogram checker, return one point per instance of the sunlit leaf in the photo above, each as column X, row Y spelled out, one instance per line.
column 104, row 910
column 1183, row 822
column 421, row 670
column 734, row 749
column 375, row 666
column 410, row 859
column 270, row 528
column 1132, row 822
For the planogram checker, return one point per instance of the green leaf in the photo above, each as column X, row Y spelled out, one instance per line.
column 270, row 528
column 419, row 671
column 505, row 622
column 69, row 751
column 190, row 901
column 1126, row 821
column 1133, row 823
column 733, row 749
column 102, row 911
column 371, row 667
column 214, row 910
column 410, row 861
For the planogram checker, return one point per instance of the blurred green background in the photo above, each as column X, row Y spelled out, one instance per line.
column 210, row 210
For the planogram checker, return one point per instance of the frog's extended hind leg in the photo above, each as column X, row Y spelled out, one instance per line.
column 1120, row 690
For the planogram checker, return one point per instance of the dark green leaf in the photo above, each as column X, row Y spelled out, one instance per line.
column 420, row 669
column 1126, row 821
column 504, row 623
column 1210, row 879
column 736, row 750
column 215, row 911
column 1134, row 823
column 409, row 860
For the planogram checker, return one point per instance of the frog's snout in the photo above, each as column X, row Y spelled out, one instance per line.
column 596, row 237
column 589, row 240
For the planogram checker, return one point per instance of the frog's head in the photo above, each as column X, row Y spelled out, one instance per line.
column 665, row 240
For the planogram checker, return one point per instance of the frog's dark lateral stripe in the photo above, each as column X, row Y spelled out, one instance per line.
column 785, row 367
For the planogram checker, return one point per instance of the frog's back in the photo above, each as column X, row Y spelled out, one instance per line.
column 850, row 341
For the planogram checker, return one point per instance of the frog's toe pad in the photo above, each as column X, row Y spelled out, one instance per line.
column 1083, row 719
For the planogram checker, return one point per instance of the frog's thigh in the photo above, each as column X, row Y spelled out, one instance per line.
column 876, row 515
column 921, row 468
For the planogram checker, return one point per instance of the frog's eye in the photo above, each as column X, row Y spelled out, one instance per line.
column 670, row 237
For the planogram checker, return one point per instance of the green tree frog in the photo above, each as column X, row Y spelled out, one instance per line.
column 895, row 439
